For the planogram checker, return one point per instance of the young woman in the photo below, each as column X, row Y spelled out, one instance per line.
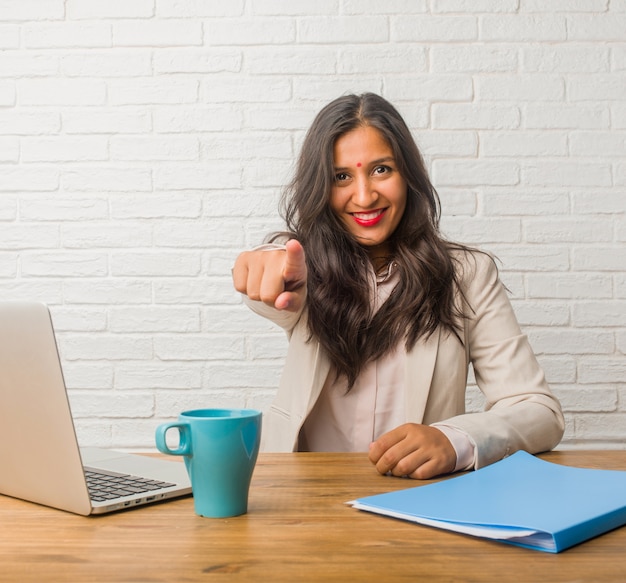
column 384, row 316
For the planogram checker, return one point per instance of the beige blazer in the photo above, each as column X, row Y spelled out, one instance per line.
column 520, row 412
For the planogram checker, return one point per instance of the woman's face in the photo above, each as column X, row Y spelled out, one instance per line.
column 368, row 195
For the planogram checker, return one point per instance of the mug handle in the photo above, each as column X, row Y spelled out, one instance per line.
column 184, row 434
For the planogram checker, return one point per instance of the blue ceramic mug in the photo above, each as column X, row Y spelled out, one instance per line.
column 220, row 448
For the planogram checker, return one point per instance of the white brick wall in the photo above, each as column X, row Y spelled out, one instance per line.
column 143, row 144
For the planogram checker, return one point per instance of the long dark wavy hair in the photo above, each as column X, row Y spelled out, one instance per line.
column 338, row 287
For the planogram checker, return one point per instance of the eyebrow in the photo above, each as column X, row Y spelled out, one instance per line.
column 372, row 163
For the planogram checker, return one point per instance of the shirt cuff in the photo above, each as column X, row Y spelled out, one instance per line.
column 463, row 445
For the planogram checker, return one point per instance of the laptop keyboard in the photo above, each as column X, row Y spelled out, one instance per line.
column 104, row 485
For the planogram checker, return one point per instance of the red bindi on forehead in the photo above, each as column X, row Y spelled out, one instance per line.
column 358, row 164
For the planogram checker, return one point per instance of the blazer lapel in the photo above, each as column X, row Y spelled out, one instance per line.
column 420, row 366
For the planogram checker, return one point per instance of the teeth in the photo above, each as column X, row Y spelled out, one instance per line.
column 368, row 216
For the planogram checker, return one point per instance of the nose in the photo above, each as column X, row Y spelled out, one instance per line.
column 365, row 194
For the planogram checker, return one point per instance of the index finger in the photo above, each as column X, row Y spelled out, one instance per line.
column 294, row 272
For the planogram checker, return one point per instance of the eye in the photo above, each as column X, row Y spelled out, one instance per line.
column 341, row 177
column 382, row 169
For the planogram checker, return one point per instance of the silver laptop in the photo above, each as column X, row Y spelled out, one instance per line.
column 40, row 459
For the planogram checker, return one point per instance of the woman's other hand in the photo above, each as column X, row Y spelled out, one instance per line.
column 413, row 450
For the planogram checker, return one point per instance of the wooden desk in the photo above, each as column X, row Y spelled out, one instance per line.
column 297, row 529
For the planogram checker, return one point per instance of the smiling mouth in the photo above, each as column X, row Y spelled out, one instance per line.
column 369, row 219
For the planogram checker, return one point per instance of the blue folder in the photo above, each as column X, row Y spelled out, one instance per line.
column 520, row 500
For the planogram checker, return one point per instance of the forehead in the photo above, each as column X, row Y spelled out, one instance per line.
column 360, row 145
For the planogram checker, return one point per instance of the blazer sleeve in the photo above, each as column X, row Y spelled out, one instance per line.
column 520, row 412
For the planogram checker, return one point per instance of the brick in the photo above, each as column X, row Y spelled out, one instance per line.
column 157, row 33
column 199, row 347
column 7, row 94
column 8, row 265
column 67, row 35
column 64, row 264
column 239, row 89
column 564, row 116
column 112, row 404
column 605, row 313
column 600, row 144
column 197, row 177
column 584, row 203
column 565, row 230
column 565, row 58
column 588, row 399
column 212, row 291
column 430, row 88
column 597, row 27
column 342, row 29
column 155, row 375
column 92, row 375
column 161, row 90
column 62, row 208
column 28, row 10
column 290, row 60
column 564, row 6
column 390, row 7
column 479, row 6
column 246, row 146
column 9, row 149
column 18, row 236
column 154, row 319
column 257, row 375
column 600, row 427
column 474, row 173
column 199, row 234
column 128, row 121
column 267, row 346
column 543, row 313
column 199, row 8
column 155, row 263
column 8, row 207
column 571, row 341
column 96, row 9
column 473, row 59
column 448, row 144
column 481, row 231
column 603, row 87
column 197, row 61
column 61, row 92
column 17, row 65
column 524, row 28
column 246, row 31
column 121, row 179
column 467, row 116
column 325, row 89
column 433, row 29
column 106, row 347
column 39, row 290
column 62, row 149
column 276, row 117
column 106, row 235
column 154, row 148
column 455, row 201
column 109, row 64
column 108, row 292
column 9, row 36
column 560, row 173
column 518, row 88
column 190, row 119
column 20, row 179
column 569, row 286
column 149, row 206
column 523, row 143
column 546, row 258
column 558, row 369
column 599, row 258
column 72, row 320
column 31, row 123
